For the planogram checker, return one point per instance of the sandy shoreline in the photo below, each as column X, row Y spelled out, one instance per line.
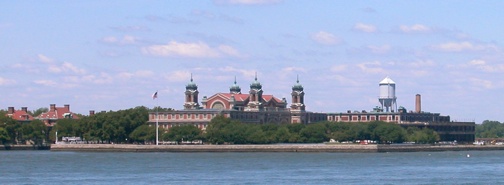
column 267, row 148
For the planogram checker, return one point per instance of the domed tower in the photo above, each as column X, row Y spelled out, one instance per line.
column 255, row 96
column 191, row 95
column 297, row 97
column 235, row 89
column 387, row 95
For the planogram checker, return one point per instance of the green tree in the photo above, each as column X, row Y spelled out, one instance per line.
column 35, row 131
column 4, row 136
column 422, row 136
column 282, row 135
column 390, row 132
column 225, row 130
column 490, row 129
column 314, row 133
column 39, row 111
column 183, row 133
column 143, row 133
column 12, row 127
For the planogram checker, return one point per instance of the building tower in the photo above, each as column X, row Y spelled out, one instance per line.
column 297, row 97
column 191, row 95
column 235, row 89
column 418, row 103
column 387, row 95
column 255, row 96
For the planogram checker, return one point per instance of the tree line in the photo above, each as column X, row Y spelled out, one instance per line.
column 490, row 129
column 130, row 126
column 223, row 130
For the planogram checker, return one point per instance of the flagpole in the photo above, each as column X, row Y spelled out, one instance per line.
column 157, row 122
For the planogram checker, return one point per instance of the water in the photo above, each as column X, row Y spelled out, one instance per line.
column 46, row 167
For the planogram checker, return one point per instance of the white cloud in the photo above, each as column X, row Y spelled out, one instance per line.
column 228, row 50
column 138, row 74
column 481, row 83
column 70, row 67
column 419, row 73
column 463, row 46
column 414, row 28
column 65, row 67
column 49, row 83
column 371, row 67
column 192, row 50
column 247, row 2
column 338, row 68
column 323, row 37
column 178, row 76
column 246, row 73
column 127, row 39
column 422, row 63
column 104, row 78
column 477, row 62
column 365, row 27
column 45, row 59
column 380, row 49
column 482, row 65
column 293, row 69
column 5, row 81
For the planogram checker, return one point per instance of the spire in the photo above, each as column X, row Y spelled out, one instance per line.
column 255, row 84
column 297, row 86
column 235, row 89
column 191, row 85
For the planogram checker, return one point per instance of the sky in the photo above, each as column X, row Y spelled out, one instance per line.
column 113, row 55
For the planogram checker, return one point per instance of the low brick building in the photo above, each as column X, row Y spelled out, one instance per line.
column 56, row 113
column 19, row 115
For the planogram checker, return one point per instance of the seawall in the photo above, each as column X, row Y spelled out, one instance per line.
column 24, row 147
column 266, row 148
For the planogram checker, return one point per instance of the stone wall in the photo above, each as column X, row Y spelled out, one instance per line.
column 269, row 148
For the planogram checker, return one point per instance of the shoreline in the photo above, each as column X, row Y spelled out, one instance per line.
column 372, row 148
column 25, row 147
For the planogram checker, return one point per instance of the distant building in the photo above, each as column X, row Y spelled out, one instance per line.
column 56, row 113
column 254, row 107
column 19, row 115
column 258, row 108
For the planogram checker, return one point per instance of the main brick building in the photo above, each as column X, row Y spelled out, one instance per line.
column 259, row 108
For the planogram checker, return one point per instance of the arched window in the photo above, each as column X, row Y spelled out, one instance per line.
column 218, row 105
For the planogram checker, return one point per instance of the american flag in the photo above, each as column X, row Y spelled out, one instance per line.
column 154, row 96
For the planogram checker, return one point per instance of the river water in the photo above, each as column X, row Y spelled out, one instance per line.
column 46, row 167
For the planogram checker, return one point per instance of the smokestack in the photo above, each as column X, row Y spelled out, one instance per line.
column 67, row 107
column 52, row 107
column 25, row 109
column 418, row 104
column 10, row 110
column 91, row 112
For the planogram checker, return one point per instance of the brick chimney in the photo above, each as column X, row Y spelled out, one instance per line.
column 418, row 103
column 52, row 107
column 10, row 110
column 67, row 107
column 25, row 109
column 91, row 113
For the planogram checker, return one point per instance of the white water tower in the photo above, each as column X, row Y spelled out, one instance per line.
column 387, row 95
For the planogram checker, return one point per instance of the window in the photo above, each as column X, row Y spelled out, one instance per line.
column 218, row 105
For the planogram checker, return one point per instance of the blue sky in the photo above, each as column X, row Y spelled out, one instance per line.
column 112, row 55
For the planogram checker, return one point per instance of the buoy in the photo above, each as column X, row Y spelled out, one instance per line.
column 468, row 155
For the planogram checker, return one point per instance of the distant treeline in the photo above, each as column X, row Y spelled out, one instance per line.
column 130, row 126
column 490, row 129
column 224, row 130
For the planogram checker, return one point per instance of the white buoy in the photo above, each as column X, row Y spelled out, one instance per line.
column 468, row 155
